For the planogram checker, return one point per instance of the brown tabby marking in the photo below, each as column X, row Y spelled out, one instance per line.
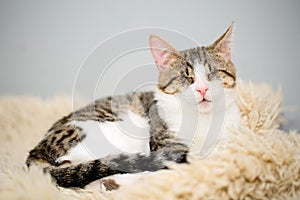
column 56, row 145
column 110, row 184
column 179, row 74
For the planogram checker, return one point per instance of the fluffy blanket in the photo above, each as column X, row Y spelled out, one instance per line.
column 261, row 161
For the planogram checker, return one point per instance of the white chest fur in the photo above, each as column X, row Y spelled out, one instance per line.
column 200, row 131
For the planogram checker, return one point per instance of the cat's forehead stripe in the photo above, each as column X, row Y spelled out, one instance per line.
column 201, row 61
column 193, row 54
column 198, row 55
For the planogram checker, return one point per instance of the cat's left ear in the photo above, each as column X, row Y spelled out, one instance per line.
column 222, row 46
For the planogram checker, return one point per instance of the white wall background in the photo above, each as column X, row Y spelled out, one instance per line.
column 42, row 43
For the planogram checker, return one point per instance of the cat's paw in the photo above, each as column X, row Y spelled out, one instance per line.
column 176, row 152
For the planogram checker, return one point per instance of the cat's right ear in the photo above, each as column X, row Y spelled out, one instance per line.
column 162, row 52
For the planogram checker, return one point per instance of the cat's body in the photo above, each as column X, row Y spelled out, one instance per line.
column 141, row 131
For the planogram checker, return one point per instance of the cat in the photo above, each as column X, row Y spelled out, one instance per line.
column 164, row 125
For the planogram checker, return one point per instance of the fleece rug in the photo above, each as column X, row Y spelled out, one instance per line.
column 260, row 161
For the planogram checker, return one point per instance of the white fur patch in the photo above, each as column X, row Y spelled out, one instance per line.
column 78, row 154
column 121, row 179
column 130, row 135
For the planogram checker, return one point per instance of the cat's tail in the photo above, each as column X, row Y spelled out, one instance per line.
column 82, row 174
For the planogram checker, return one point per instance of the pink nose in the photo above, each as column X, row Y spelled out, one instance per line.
column 202, row 90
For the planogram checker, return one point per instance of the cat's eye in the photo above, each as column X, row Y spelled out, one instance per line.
column 187, row 71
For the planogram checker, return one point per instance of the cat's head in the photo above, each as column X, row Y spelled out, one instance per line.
column 200, row 75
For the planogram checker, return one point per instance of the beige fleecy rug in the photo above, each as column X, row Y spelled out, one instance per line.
column 261, row 162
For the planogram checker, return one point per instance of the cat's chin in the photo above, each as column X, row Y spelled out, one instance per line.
column 205, row 107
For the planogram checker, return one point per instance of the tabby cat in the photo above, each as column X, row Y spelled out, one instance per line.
column 145, row 130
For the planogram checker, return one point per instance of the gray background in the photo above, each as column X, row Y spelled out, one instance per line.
column 43, row 43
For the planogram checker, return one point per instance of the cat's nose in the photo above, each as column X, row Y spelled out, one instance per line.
column 202, row 90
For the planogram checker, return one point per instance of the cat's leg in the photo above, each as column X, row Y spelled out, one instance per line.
column 82, row 174
column 56, row 144
column 63, row 136
column 160, row 135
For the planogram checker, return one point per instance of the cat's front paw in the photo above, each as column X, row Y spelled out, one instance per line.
column 179, row 157
column 177, row 153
